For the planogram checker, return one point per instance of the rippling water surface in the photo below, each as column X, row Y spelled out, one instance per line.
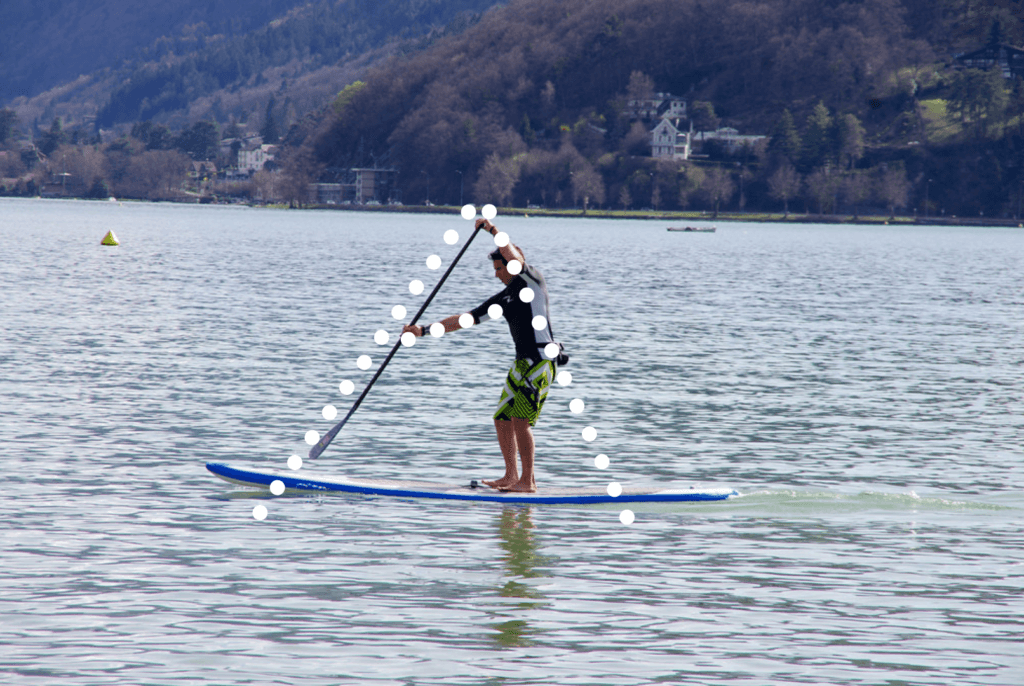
column 860, row 386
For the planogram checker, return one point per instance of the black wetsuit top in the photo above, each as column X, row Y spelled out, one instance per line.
column 520, row 314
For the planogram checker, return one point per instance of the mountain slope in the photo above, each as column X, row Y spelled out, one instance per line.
column 299, row 55
column 46, row 44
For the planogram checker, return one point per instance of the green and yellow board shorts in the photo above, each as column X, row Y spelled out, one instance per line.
column 525, row 390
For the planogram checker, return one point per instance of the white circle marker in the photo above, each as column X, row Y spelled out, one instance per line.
column 433, row 262
column 381, row 337
column 495, row 311
column 576, row 406
column 601, row 461
column 329, row 412
column 468, row 212
column 564, row 378
column 489, row 212
column 626, row 517
column 539, row 323
column 415, row 286
column 398, row 312
column 526, row 295
column 614, row 489
column 501, row 239
column 346, row 387
column 437, row 329
column 451, row 236
column 259, row 512
column 277, row 487
column 551, row 351
column 408, row 339
column 294, row 462
column 589, row 434
column 515, row 267
column 466, row 320
column 364, row 362
column 312, row 437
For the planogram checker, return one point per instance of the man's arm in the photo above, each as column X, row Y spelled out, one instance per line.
column 450, row 324
column 509, row 252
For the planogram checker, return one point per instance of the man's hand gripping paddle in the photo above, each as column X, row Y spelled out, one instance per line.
column 329, row 436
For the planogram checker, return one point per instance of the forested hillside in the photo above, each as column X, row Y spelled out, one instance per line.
column 529, row 103
column 116, row 62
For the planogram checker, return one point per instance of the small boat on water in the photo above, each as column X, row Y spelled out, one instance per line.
column 699, row 229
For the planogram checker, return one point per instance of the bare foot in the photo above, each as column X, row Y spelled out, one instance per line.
column 520, row 487
column 503, row 482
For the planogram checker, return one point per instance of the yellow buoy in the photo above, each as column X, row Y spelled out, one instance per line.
column 109, row 239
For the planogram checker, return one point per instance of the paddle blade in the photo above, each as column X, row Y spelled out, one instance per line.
column 325, row 440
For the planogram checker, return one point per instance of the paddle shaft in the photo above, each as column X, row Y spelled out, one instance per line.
column 329, row 436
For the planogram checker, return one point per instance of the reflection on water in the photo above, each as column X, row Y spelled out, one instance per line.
column 521, row 558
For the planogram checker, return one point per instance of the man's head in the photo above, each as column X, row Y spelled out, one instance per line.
column 501, row 271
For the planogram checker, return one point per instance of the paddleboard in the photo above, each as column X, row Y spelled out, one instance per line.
column 442, row 491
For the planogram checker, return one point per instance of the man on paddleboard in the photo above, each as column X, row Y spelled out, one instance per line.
column 524, row 304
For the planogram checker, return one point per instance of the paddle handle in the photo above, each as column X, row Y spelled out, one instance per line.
column 325, row 441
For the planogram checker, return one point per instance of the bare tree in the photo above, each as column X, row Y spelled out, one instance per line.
column 625, row 199
column 893, row 188
column 822, row 187
column 587, row 185
column 497, row 179
column 641, row 86
column 155, row 175
column 855, row 189
column 784, row 185
column 718, row 188
column 689, row 186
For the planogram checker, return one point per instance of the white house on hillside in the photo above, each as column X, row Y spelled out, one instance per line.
column 668, row 142
column 251, row 158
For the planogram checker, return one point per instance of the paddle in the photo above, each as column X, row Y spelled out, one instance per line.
column 329, row 436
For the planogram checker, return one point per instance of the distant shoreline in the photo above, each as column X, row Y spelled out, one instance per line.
column 702, row 217
column 648, row 215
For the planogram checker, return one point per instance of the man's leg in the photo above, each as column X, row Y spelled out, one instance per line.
column 507, row 441
column 524, row 439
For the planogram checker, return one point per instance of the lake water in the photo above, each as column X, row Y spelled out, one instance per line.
column 859, row 386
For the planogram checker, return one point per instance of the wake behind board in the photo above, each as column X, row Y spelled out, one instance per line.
column 428, row 489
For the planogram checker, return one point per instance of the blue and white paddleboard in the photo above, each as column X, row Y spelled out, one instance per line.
column 428, row 489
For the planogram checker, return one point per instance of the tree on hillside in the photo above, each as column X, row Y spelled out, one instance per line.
column 784, row 185
column 850, row 140
column 784, row 143
column 8, row 124
column 53, row 138
column 200, row 141
column 978, row 97
column 703, row 116
column 818, row 137
column 270, row 132
column 637, row 141
column 153, row 136
column 641, row 86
